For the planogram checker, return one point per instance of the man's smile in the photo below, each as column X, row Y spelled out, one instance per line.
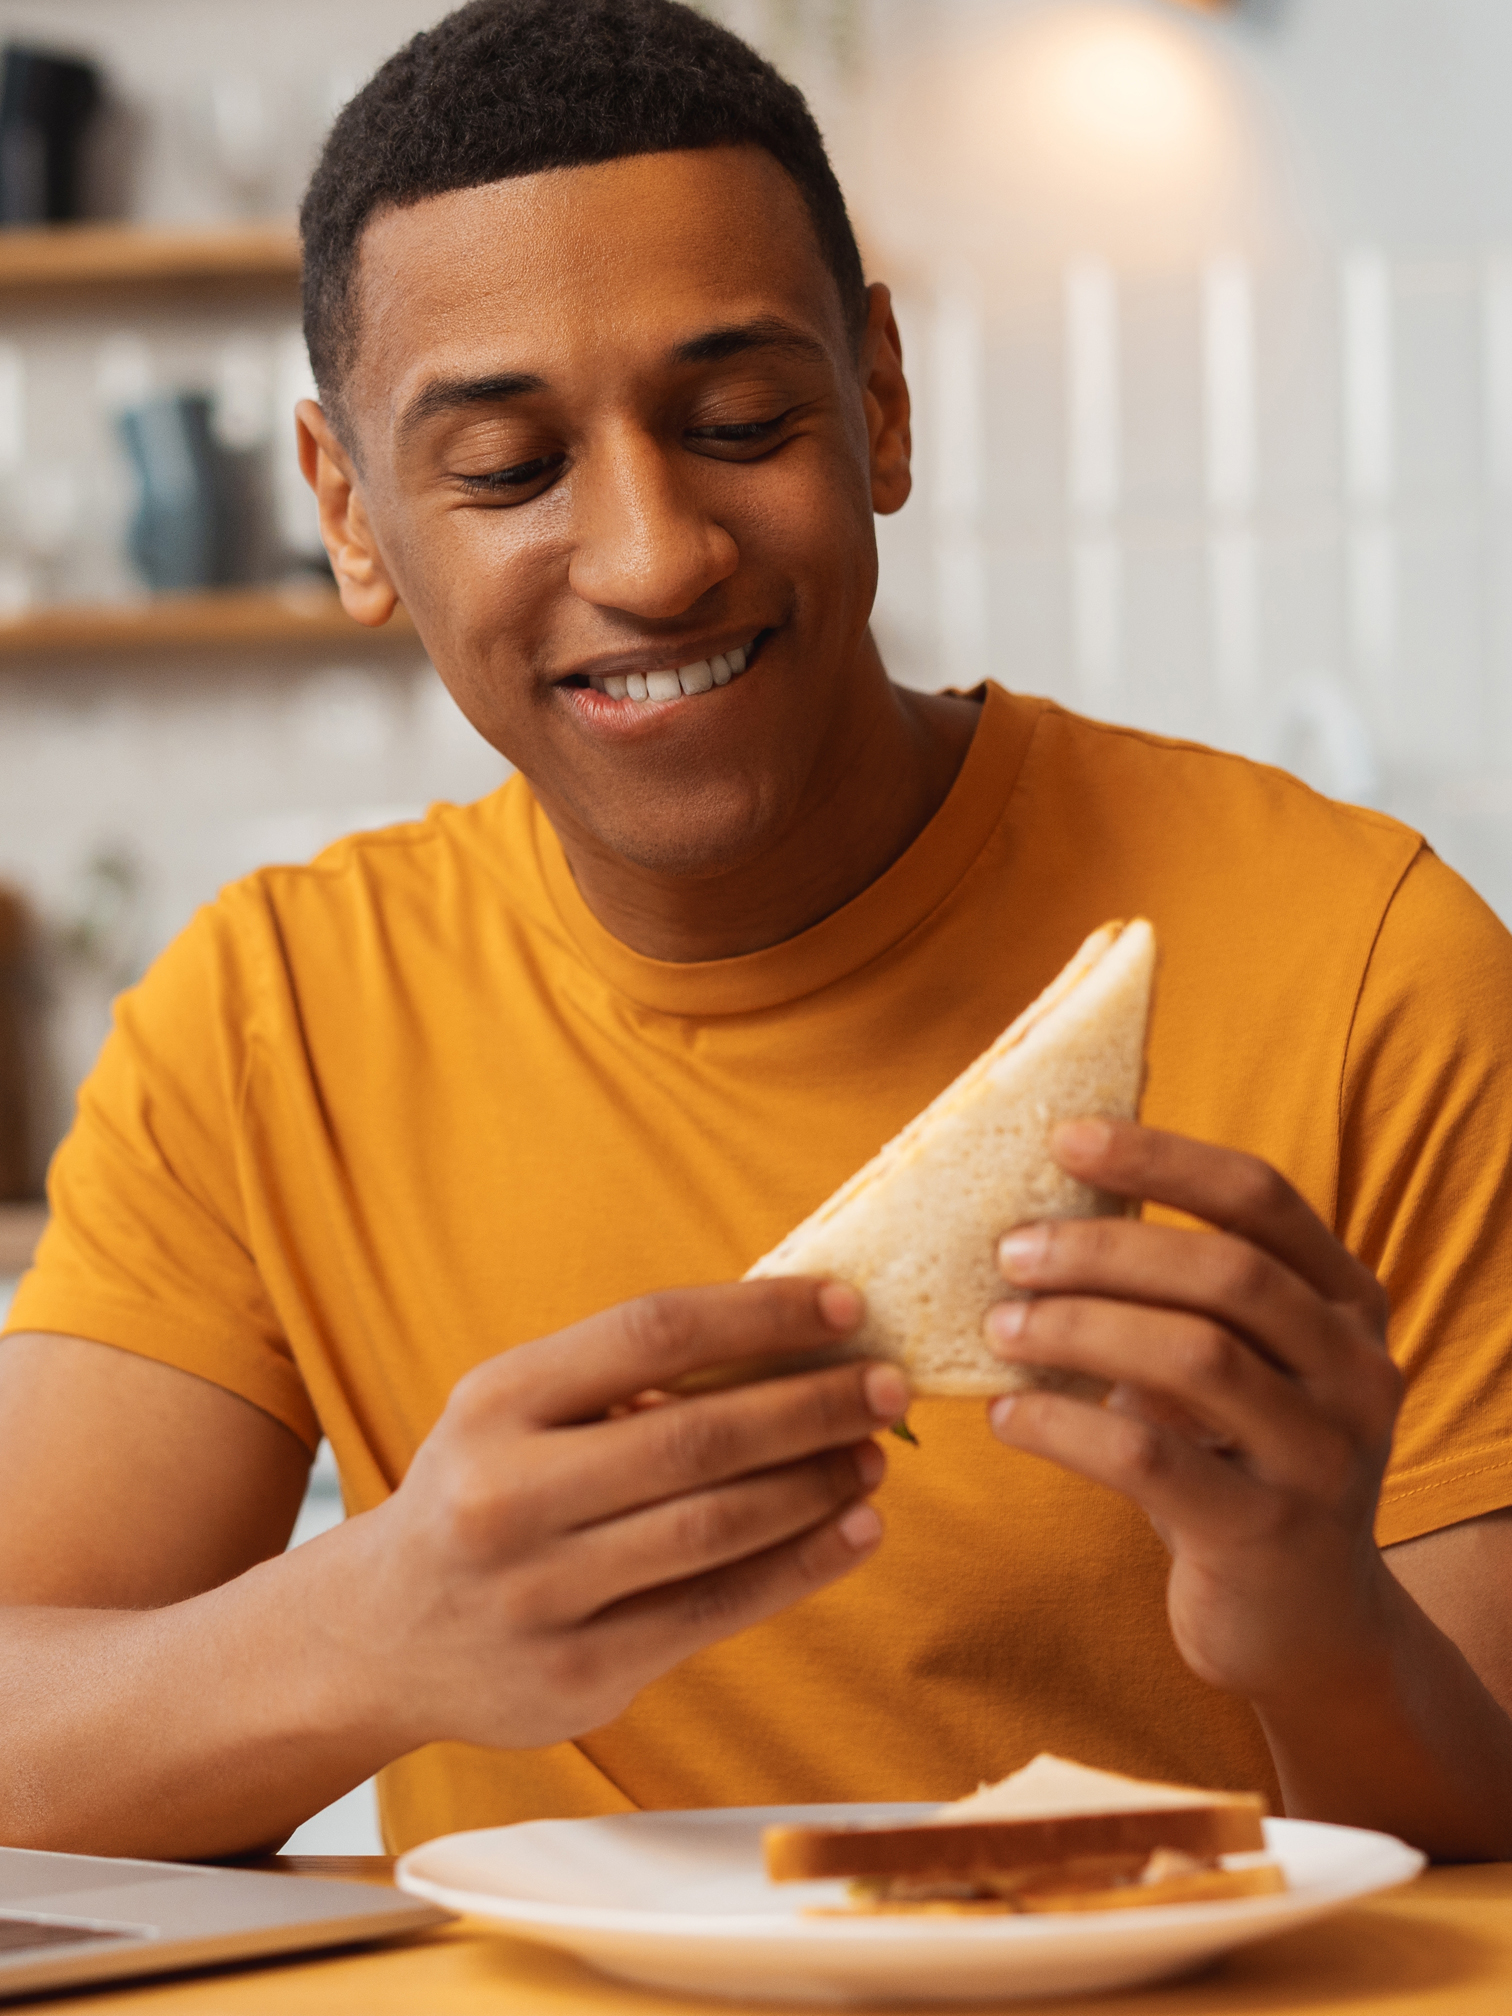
column 666, row 682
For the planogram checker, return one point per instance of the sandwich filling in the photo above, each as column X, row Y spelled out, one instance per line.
column 1080, row 1883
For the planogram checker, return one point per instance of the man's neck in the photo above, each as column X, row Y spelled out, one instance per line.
column 879, row 793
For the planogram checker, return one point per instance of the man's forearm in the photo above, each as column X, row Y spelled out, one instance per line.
column 212, row 1726
column 1413, row 1744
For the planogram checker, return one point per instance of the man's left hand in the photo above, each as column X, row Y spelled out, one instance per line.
column 1251, row 1405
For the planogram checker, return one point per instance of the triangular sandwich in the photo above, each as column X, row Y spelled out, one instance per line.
column 916, row 1230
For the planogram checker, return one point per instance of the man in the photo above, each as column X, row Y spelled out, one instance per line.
column 453, row 1144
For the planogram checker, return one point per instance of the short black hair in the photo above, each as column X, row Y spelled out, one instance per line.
column 510, row 87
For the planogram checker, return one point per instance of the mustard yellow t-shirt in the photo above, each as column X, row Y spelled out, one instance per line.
column 372, row 1120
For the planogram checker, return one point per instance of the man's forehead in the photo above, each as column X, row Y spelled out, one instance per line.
column 680, row 191
column 691, row 241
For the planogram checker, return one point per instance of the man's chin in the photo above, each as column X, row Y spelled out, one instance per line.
column 705, row 854
column 683, row 829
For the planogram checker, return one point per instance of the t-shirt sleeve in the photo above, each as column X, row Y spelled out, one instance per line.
column 1425, row 1196
column 147, row 1247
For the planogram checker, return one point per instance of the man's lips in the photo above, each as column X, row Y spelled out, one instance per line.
column 685, row 680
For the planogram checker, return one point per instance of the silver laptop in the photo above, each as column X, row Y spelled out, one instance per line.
column 66, row 1919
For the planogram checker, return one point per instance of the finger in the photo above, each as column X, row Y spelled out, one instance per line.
column 577, row 1373
column 1174, row 1483
column 1236, row 1192
column 651, row 1632
column 1211, row 1274
column 610, row 1468
column 683, row 1537
column 1226, row 1397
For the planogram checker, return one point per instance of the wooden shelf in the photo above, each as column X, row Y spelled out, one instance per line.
column 245, row 619
column 71, row 257
column 20, row 1229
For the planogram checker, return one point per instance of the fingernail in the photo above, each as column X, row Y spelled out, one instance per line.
column 1082, row 1140
column 1001, row 1413
column 861, row 1527
column 1005, row 1321
column 870, row 1464
column 840, row 1306
column 1021, row 1252
column 886, row 1392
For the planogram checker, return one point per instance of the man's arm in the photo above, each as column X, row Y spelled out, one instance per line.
column 173, row 1684
column 1250, row 1417
column 1462, row 1578
column 126, row 1484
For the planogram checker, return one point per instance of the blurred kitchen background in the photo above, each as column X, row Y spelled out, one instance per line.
column 1208, row 313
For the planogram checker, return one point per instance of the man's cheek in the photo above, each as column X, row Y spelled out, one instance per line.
column 810, row 524
column 480, row 577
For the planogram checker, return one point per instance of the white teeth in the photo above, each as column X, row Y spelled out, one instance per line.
column 664, row 685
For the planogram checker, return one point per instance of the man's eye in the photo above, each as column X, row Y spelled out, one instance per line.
column 519, row 476
column 741, row 434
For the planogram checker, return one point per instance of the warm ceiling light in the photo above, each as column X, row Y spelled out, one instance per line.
column 1094, row 126
column 1116, row 96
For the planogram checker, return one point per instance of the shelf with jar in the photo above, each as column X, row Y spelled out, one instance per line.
column 168, row 513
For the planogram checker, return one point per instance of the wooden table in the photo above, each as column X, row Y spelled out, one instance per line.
column 1441, row 1947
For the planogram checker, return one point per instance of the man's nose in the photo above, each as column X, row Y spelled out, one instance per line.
column 644, row 541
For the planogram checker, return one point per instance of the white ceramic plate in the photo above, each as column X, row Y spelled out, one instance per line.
column 681, row 1901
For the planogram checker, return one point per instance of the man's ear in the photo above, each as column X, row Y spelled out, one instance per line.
column 345, row 528
column 884, row 392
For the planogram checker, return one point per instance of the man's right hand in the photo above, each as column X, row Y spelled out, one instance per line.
column 178, row 1685
column 551, row 1549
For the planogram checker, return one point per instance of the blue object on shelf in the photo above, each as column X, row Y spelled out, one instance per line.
column 187, row 531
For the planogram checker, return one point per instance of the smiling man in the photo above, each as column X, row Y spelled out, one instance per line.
column 453, row 1145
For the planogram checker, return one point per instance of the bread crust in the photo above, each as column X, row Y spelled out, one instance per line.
column 941, row 1853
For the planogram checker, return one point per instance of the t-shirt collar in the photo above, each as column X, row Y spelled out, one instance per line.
column 840, row 944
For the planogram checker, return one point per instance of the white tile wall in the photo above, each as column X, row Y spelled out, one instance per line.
column 1209, row 324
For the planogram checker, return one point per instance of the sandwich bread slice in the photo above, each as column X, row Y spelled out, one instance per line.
column 1055, row 1836
column 916, row 1229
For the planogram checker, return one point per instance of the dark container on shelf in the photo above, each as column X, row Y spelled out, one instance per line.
column 46, row 102
column 196, row 523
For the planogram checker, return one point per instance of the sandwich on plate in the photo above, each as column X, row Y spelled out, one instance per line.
column 1055, row 1836
column 916, row 1229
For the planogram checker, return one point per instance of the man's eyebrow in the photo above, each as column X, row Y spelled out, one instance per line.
column 444, row 395
column 763, row 332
